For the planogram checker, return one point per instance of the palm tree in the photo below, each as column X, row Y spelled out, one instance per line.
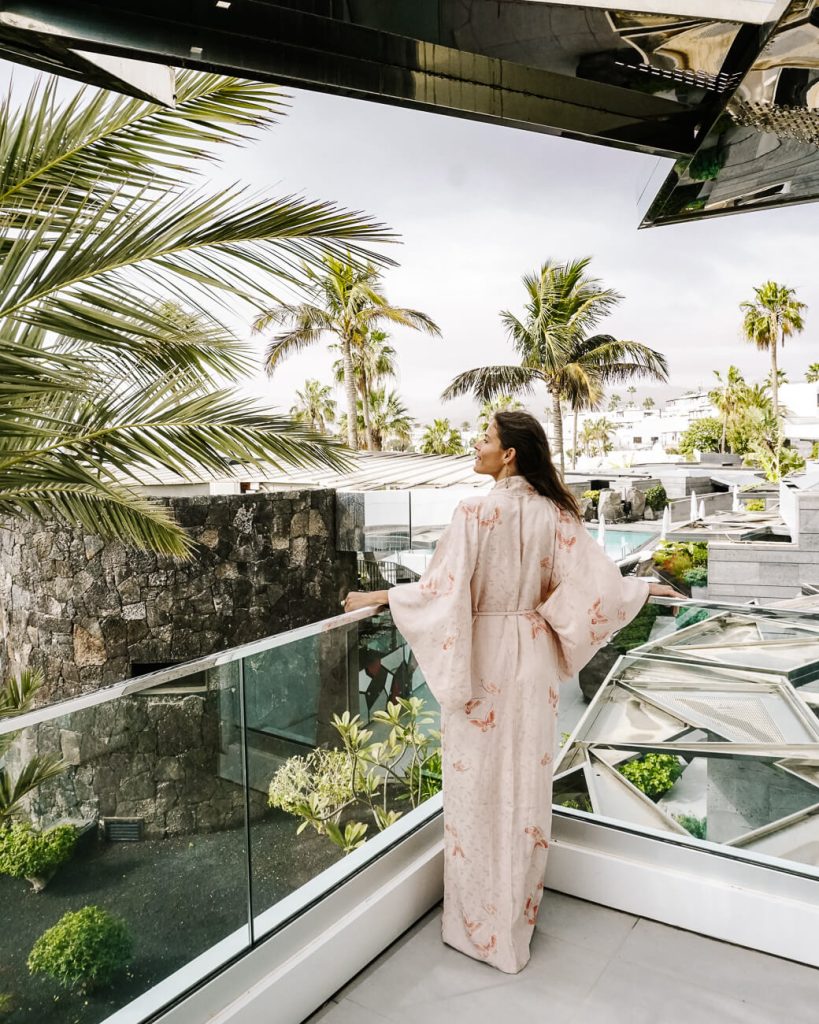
column 441, row 438
column 390, row 419
column 727, row 396
column 649, row 403
column 373, row 361
column 104, row 376
column 347, row 300
column 615, row 401
column 16, row 698
column 552, row 340
column 315, row 406
column 502, row 403
column 812, row 373
column 631, row 392
column 772, row 316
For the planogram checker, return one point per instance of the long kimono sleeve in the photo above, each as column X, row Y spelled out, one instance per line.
column 435, row 614
column 591, row 600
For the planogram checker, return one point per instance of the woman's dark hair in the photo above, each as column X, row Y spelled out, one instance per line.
column 522, row 432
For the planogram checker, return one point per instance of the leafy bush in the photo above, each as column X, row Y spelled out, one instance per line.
column 677, row 557
column 582, row 803
column 656, row 498
column 324, row 785
column 814, row 451
column 638, row 630
column 704, row 434
column 705, row 166
column 755, row 505
column 27, row 853
column 696, row 826
column 654, row 774
column 6, row 1002
column 86, row 949
column 696, row 577
column 593, row 496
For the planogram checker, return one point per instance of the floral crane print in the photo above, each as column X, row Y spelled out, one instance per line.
column 517, row 598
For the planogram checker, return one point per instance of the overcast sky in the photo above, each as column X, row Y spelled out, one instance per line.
column 477, row 206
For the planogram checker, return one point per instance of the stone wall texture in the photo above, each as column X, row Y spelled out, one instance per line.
column 86, row 612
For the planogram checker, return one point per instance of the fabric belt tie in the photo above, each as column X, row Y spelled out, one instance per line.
column 521, row 611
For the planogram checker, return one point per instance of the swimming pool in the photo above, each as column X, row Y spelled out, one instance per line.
column 620, row 543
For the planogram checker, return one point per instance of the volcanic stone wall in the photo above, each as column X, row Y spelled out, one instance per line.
column 87, row 613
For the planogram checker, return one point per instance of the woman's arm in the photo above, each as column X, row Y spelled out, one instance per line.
column 365, row 599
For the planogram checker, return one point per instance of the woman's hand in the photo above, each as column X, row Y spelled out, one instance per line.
column 663, row 590
column 365, row 599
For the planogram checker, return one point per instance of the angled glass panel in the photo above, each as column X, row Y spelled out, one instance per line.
column 707, row 728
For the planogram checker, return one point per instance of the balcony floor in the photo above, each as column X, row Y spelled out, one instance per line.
column 590, row 965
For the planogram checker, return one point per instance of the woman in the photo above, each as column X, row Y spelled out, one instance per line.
column 517, row 597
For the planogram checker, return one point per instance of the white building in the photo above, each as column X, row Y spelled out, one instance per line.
column 639, row 429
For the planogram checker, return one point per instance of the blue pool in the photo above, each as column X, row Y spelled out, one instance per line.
column 620, row 543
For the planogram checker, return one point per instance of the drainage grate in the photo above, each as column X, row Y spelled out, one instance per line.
column 123, row 830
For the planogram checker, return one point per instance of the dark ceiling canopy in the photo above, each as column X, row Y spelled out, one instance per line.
column 732, row 101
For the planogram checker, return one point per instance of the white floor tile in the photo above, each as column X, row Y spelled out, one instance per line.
column 741, row 974
column 629, row 993
column 585, row 924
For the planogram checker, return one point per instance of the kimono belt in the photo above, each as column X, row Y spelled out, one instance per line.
column 521, row 611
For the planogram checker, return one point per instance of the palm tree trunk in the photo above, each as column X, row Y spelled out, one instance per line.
column 774, row 345
column 724, row 430
column 557, row 418
column 365, row 406
column 349, row 391
column 574, row 439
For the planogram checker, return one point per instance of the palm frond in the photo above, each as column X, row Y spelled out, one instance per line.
column 486, row 382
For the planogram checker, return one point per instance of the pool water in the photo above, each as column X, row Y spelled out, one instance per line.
column 620, row 543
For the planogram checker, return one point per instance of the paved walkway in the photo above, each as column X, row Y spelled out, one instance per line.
column 590, row 965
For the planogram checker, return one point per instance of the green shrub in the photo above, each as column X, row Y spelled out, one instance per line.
column 86, row 949
column 814, row 451
column 696, row 577
column 654, row 774
column 6, row 1003
column 593, row 496
column 582, row 803
column 656, row 498
column 638, row 630
column 755, row 505
column 27, row 853
column 696, row 826
column 705, row 435
column 677, row 557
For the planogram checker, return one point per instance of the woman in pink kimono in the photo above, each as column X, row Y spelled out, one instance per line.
column 517, row 598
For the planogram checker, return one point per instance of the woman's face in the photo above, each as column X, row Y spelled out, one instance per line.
column 490, row 455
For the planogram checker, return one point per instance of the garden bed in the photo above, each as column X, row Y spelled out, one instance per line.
column 179, row 896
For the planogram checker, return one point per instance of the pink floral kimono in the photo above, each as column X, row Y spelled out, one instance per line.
column 517, row 597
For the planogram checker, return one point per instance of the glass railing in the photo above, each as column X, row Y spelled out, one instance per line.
column 703, row 724
column 168, row 831
column 208, row 804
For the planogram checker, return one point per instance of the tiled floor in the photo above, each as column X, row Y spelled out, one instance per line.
column 590, row 965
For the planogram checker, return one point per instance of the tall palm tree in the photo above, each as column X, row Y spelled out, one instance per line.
column 347, row 300
column 555, row 348
column 615, row 401
column 441, row 438
column 104, row 376
column 727, row 398
column 773, row 315
column 649, row 403
column 315, row 405
column 374, row 359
